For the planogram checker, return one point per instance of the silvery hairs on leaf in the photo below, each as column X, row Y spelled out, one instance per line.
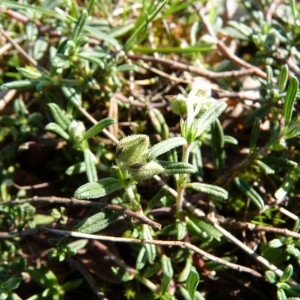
column 132, row 149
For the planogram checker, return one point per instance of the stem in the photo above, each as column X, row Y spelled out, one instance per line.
column 134, row 198
column 181, row 181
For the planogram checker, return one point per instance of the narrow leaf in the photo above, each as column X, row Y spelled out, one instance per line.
column 254, row 133
column 271, row 276
column 72, row 95
column 59, row 115
column 90, row 168
column 208, row 188
column 217, row 144
column 186, row 270
column 150, row 249
column 165, row 146
column 281, row 294
column 94, row 130
column 204, row 229
column 101, row 188
column 264, row 167
column 210, row 116
column 192, row 282
column 250, row 193
column 287, row 273
column 181, row 230
column 290, row 98
column 18, row 84
column 141, row 259
column 58, row 130
column 283, row 77
column 177, row 167
column 230, row 140
column 96, row 222
column 159, row 123
column 29, row 73
column 167, row 273
column 76, row 169
column 79, row 25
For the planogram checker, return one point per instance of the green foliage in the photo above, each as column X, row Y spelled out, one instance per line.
column 181, row 118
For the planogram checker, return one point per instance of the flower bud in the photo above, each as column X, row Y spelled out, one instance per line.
column 76, row 130
column 132, row 149
column 140, row 171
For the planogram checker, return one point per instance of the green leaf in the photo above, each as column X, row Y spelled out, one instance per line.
column 186, row 270
column 71, row 285
column 165, row 146
column 230, row 140
column 76, row 169
column 11, row 284
column 287, row 184
column 159, row 123
column 290, row 98
column 275, row 243
column 101, row 188
column 58, row 130
column 283, row 285
column 254, row 133
column 148, row 14
column 250, row 193
column 29, row 73
column 192, row 282
column 217, row 144
column 167, row 273
column 264, row 167
column 90, row 168
column 281, row 295
column 77, row 245
column 94, row 130
column 208, row 188
column 72, row 95
column 141, row 259
column 181, row 230
column 18, row 84
column 287, row 273
column 203, row 228
column 177, row 167
column 79, row 25
column 150, row 249
column 209, row 116
column 59, row 115
column 283, row 78
column 96, row 222
column 271, row 276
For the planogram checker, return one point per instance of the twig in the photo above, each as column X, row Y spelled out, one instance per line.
column 87, row 276
column 248, row 250
column 164, row 74
column 22, row 52
column 237, row 267
column 225, row 50
column 94, row 121
column 155, row 242
column 77, row 202
column 118, row 261
column 197, row 71
column 253, row 227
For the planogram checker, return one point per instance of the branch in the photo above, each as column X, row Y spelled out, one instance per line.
column 155, row 242
column 253, row 227
column 246, row 249
column 197, row 71
column 77, row 202
column 226, row 51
